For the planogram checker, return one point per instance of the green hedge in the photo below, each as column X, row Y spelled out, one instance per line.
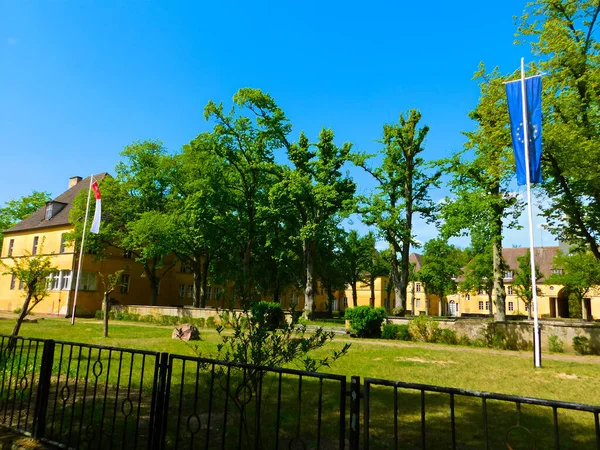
column 366, row 321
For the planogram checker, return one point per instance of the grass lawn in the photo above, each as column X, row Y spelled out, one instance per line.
column 567, row 378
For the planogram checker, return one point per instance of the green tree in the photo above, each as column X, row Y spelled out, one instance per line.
column 357, row 252
column 331, row 264
column 478, row 273
column 562, row 35
column 522, row 283
column 135, row 211
column 245, row 139
column 377, row 266
column 320, row 194
column 18, row 209
column 442, row 264
column 109, row 286
column 32, row 272
column 481, row 200
column 402, row 191
column 580, row 273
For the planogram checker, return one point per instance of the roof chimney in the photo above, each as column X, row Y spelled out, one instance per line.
column 73, row 181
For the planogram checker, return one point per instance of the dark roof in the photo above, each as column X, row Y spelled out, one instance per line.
column 543, row 258
column 36, row 220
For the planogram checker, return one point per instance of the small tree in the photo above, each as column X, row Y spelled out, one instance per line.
column 109, row 287
column 522, row 281
column 32, row 271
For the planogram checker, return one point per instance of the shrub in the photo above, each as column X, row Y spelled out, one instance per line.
column 225, row 319
column 201, row 322
column 366, row 321
column 148, row 318
column 336, row 314
column 390, row 331
column 404, row 333
column 464, row 340
column 494, row 338
column 17, row 310
column 581, row 345
column 555, row 345
column 268, row 314
column 399, row 312
column 210, row 322
column 446, row 336
column 423, row 328
column 99, row 315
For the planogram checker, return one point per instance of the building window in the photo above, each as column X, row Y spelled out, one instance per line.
column 182, row 291
column 468, row 297
column 65, row 280
column 125, row 279
column 480, row 306
column 418, row 303
column 34, row 250
column 511, row 306
column 508, row 274
column 345, row 302
column 48, row 215
column 53, row 281
column 11, row 246
column 127, row 254
column 509, row 290
column 87, row 281
column 20, row 285
column 190, row 291
column 62, row 243
column 557, row 271
column 527, row 308
column 218, row 293
column 417, row 287
column 487, row 305
column 209, row 293
column 13, row 281
column 481, row 292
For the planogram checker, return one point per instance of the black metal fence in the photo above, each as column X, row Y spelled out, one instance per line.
column 93, row 397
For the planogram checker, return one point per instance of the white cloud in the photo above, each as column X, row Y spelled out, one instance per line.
column 11, row 41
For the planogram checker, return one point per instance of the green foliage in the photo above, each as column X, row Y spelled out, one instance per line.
column 581, row 345
column 493, row 337
column 16, row 210
column 366, row 321
column 522, row 283
column 555, row 345
column 399, row 332
column 398, row 312
column 424, row 328
column 17, row 310
column 403, row 181
column 268, row 314
column 464, row 340
column 446, row 336
column 442, row 264
column 211, row 322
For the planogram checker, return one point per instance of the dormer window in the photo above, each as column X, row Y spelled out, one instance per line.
column 48, row 214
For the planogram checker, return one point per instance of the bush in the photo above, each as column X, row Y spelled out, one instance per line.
column 399, row 332
column 581, row 345
column 494, row 338
column 423, row 328
column 555, row 345
column 17, row 310
column 268, row 314
column 210, row 322
column 445, row 336
column 201, row 322
column 399, row 312
column 464, row 340
column 366, row 321
column 99, row 315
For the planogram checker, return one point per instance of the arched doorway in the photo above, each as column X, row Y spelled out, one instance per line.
column 561, row 305
column 452, row 308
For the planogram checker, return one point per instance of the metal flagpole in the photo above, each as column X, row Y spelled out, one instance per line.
column 536, row 337
column 87, row 209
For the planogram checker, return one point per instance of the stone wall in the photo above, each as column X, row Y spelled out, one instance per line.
column 520, row 333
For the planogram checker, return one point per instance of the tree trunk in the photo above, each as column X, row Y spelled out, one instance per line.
column 413, row 299
column 491, row 310
column 405, row 266
column 106, row 306
column 499, row 292
column 247, row 267
column 354, row 294
column 154, row 290
column 398, row 297
column 372, row 302
column 22, row 315
column 309, row 293
column 529, row 312
column 440, row 303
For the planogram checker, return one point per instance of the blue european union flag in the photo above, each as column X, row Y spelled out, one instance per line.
column 533, row 89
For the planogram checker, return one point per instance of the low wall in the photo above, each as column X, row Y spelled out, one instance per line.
column 520, row 333
column 179, row 311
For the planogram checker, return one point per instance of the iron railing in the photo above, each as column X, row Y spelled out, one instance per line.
column 93, row 397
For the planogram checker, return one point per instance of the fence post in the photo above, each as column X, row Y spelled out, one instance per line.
column 354, row 413
column 43, row 390
column 159, row 405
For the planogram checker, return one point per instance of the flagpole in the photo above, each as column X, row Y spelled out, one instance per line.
column 87, row 210
column 537, row 357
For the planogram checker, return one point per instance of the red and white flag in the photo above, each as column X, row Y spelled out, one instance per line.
column 98, row 213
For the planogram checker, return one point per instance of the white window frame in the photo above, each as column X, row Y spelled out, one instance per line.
column 480, row 306
column 511, row 306
column 87, row 281
column 418, row 303
column 125, row 283
column 509, row 290
column 182, row 291
column 417, row 287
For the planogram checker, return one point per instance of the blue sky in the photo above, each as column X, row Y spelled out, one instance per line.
column 79, row 80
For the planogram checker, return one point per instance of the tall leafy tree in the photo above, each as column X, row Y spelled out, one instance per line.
column 522, row 283
column 245, row 139
column 402, row 191
column 442, row 263
column 481, row 200
column 331, row 265
column 563, row 36
column 580, row 273
column 18, row 209
column 377, row 266
column 478, row 273
column 135, row 211
column 320, row 193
